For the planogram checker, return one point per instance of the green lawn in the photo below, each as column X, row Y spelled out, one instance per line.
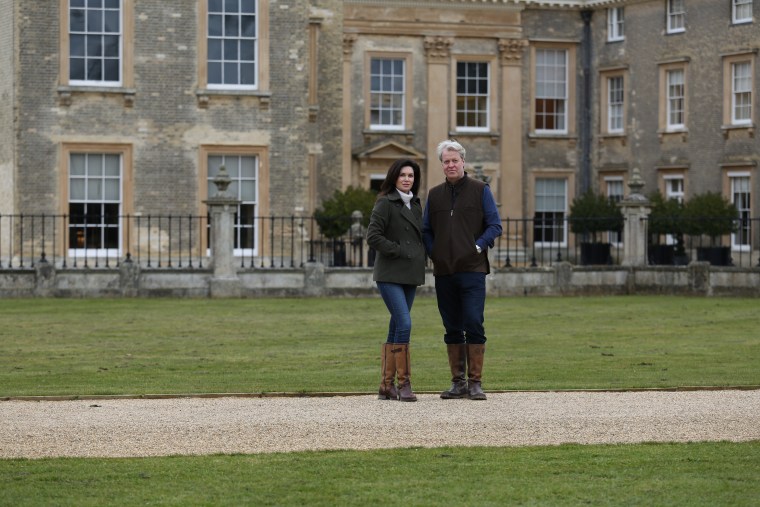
column 148, row 346
column 700, row 474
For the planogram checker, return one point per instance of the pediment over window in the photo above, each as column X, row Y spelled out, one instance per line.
column 388, row 150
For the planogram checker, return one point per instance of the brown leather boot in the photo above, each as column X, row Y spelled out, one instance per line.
column 388, row 389
column 457, row 359
column 403, row 372
column 474, row 371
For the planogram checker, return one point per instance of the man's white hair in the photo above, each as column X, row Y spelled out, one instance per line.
column 447, row 145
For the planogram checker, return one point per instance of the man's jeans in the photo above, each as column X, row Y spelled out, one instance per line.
column 461, row 302
column 398, row 298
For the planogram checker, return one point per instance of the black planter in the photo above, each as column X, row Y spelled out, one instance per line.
column 662, row 255
column 715, row 255
column 596, row 254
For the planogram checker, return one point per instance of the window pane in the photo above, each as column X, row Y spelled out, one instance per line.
column 247, row 50
column 112, row 21
column 112, row 165
column 76, row 189
column 248, row 190
column 248, row 26
column 76, row 20
column 111, row 45
column 111, row 192
column 230, row 49
column 94, row 189
column 215, row 6
column 94, row 45
column 215, row 25
column 231, row 26
column 94, row 21
column 230, row 73
column 215, row 73
column 76, row 69
column 94, row 165
column 247, row 74
column 77, row 164
column 248, row 6
column 111, row 70
column 248, row 167
column 214, row 49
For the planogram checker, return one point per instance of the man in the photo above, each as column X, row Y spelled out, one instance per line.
column 460, row 223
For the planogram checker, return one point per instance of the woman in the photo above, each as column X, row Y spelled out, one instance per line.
column 395, row 232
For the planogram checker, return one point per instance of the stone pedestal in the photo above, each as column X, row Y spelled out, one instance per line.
column 222, row 208
column 636, row 209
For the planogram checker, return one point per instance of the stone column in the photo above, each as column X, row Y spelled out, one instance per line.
column 510, row 191
column 222, row 207
column 636, row 209
column 438, row 53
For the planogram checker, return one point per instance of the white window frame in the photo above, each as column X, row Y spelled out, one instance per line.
column 475, row 97
column 552, row 83
column 95, row 184
column 559, row 218
column 616, row 104
column 225, row 39
column 384, row 100
column 741, row 11
column 615, row 24
column 741, row 240
column 674, row 193
column 741, row 92
column 91, row 14
column 613, row 184
column 676, row 18
column 675, row 99
column 233, row 165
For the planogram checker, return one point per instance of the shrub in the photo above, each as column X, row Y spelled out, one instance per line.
column 334, row 216
column 591, row 214
column 710, row 214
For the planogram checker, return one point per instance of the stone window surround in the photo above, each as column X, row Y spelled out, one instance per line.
column 203, row 94
column 568, row 175
column 604, row 76
column 570, row 47
column 490, row 60
column 127, row 185
column 408, row 91
column 262, row 154
column 664, row 131
column 126, row 90
column 728, row 125
column 615, row 24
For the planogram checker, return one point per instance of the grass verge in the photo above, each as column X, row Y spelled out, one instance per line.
column 148, row 346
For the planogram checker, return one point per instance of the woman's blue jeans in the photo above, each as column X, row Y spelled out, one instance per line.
column 398, row 298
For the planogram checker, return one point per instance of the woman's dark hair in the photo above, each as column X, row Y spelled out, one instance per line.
column 389, row 184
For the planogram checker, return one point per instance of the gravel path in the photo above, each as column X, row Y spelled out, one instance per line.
column 158, row 427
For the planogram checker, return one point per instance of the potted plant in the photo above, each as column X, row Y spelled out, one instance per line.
column 666, row 219
column 592, row 215
column 711, row 215
column 334, row 217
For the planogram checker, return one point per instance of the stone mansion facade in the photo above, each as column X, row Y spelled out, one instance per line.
column 129, row 107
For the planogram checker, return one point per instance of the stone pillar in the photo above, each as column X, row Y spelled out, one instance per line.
column 222, row 207
column 438, row 53
column 347, row 175
column 510, row 191
column 636, row 209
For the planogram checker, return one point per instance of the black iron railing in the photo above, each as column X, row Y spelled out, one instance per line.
column 289, row 242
